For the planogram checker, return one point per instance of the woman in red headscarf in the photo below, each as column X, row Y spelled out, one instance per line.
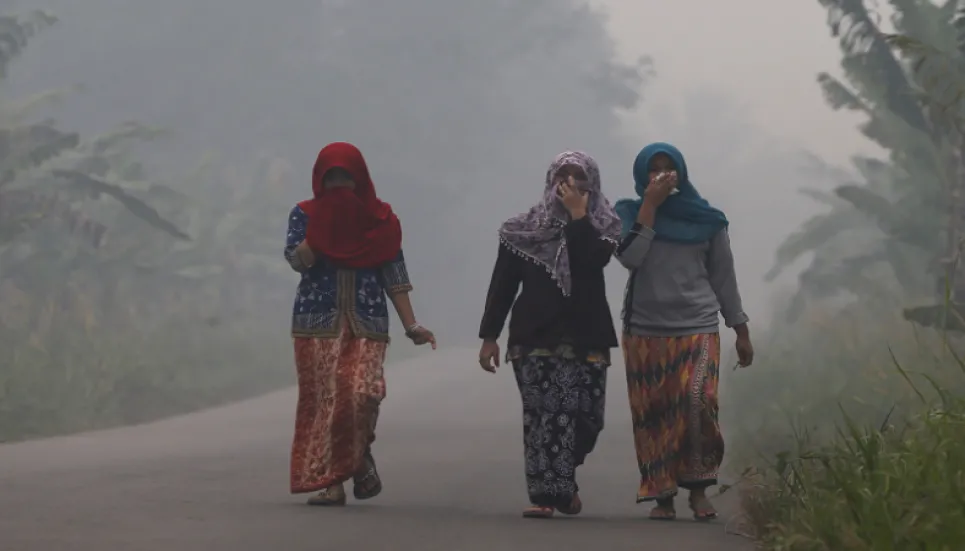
column 347, row 246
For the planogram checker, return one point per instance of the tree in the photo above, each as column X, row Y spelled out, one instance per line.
column 891, row 222
column 458, row 108
column 45, row 172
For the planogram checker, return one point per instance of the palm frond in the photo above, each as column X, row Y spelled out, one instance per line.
column 16, row 112
column 135, row 206
column 25, row 210
column 868, row 59
column 122, row 135
column 838, row 96
column 923, row 18
column 948, row 317
column 16, row 32
column 814, row 233
column 26, row 147
column 823, row 197
column 939, row 74
column 893, row 221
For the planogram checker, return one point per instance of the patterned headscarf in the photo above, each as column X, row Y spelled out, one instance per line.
column 538, row 234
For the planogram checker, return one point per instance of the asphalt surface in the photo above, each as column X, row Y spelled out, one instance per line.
column 449, row 452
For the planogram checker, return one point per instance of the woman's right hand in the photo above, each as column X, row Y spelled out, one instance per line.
column 305, row 254
column 489, row 356
column 659, row 189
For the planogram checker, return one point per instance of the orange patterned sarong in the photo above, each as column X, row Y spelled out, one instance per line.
column 672, row 383
column 340, row 387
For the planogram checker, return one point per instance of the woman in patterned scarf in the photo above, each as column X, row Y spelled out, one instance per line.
column 347, row 246
column 561, row 330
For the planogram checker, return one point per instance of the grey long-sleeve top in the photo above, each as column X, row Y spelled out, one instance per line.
column 675, row 289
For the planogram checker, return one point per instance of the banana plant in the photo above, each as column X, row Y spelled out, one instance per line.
column 891, row 220
column 46, row 174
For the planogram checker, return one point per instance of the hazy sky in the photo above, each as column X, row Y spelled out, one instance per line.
column 766, row 52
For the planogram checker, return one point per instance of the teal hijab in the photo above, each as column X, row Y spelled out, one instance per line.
column 684, row 217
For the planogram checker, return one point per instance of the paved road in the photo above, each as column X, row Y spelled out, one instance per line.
column 449, row 452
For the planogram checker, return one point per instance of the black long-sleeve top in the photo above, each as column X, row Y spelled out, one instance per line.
column 542, row 317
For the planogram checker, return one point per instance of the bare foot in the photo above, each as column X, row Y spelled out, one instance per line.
column 664, row 510
column 574, row 508
column 702, row 507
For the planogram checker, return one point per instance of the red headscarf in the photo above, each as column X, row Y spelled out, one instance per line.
column 350, row 227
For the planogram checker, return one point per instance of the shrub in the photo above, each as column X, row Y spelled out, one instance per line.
column 807, row 372
column 844, row 448
column 869, row 489
column 59, row 378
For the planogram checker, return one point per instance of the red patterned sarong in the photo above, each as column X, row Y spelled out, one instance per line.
column 340, row 387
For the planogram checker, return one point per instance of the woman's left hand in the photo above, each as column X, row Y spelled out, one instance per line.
column 745, row 351
column 574, row 199
column 420, row 335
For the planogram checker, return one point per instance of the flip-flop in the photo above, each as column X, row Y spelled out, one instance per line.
column 538, row 512
column 333, row 496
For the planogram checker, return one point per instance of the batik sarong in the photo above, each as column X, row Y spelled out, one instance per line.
column 340, row 387
column 672, row 383
column 564, row 398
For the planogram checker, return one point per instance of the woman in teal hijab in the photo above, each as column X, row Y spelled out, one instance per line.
column 685, row 216
column 682, row 277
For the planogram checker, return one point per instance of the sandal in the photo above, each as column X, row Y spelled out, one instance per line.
column 333, row 496
column 367, row 482
column 574, row 508
column 538, row 511
column 702, row 508
column 664, row 510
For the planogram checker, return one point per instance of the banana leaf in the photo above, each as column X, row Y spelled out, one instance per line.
column 136, row 206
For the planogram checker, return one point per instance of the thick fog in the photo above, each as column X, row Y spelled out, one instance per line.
column 458, row 108
column 114, row 313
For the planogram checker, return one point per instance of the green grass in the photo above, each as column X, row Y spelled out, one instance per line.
column 806, row 373
column 843, row 447
column 868, row 489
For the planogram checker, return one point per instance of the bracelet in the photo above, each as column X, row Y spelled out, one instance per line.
column 409, row 330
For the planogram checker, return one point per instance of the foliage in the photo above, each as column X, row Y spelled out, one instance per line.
column 887, row 473
column 795, row 383
column 146, row 326
column 45, row 172
column 892, row 224
column 457, row 124
column 870, row 489
column 159, row 299
column 144, row 308
column 847, row 437
column 95, row 336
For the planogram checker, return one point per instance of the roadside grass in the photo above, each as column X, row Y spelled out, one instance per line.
column 844, row 448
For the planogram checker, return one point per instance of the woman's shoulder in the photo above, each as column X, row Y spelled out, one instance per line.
column 509, row 252
column 297, row 212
